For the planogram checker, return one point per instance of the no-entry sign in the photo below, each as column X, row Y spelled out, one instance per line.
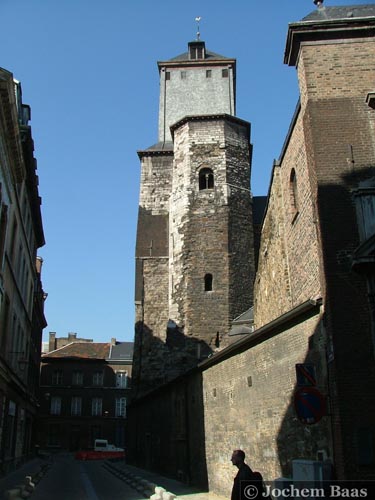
column 310, row 405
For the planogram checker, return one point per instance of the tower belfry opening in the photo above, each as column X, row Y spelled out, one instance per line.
column 197, row 50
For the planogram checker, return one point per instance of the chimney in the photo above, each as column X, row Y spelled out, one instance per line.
column 113, row 341
column 72, row 336
column 39, row 264
column 52, row 341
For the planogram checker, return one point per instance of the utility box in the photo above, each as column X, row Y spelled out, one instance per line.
column 313, row 475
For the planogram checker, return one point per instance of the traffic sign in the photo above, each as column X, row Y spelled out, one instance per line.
column 310, row 405
column 305, row 375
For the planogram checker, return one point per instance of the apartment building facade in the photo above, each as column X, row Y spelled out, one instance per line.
column 21, row 293
column 85, row 388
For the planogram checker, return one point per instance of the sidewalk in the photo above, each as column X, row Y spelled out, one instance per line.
column 17, row 476
column 181, row 490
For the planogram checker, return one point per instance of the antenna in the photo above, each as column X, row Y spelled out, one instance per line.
column 198, row 18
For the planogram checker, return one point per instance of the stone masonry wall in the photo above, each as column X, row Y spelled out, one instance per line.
column 208, row 228
column 151, row 325
column 151, row 292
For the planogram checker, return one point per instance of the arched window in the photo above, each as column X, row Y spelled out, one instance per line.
column 208, row 283
column 206, row 179
column 293, row 191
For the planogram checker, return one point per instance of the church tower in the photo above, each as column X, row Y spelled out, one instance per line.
column 194, row 253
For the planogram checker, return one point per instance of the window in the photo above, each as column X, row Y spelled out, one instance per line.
column 208, row 73
column 77, row 378
column 208, row 283
column 57, row 377
column 167, row 75
column 224, row 73
column 76, row 406
column 365, row 205
column 183, row 75
column 122, row 380
column 97, row 378
column 206, row 179
column 55, row 405
column 196, row 53
column 120, row 407
column 13, row 241
column 96, row 407
column 293, row 192
column 3, row 228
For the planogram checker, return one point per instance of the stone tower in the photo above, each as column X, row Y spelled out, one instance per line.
column 194, row 253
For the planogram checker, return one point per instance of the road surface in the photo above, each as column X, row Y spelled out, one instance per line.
column 70, row 479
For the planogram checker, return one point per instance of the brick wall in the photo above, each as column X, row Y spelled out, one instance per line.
column 335, row 78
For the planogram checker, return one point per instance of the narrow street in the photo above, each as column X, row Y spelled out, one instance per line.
column 76, row 480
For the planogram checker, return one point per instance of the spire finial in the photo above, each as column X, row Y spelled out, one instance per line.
column 198, row 18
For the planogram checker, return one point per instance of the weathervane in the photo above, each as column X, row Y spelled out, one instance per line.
column 198, row 18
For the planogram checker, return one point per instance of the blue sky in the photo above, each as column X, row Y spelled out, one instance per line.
column 88, row 70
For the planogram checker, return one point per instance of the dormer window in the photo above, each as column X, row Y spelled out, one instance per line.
column 197, row 50
column 206, row 179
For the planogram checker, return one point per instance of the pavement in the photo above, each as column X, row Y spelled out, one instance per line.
column 140, row 480
column 30, row 468
column 140, row 477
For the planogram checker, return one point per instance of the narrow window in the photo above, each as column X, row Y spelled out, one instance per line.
column 77, row 378
column 96, row 407
column 122, row 380
column 120, row 407
column 55, row 405
column 365, row 205
column 97, row 378
column 76, row 406
column 208, row 73
column 13, row 241
column 183, row 75
column 206, row 179
column 224, row 73
column 167, row 75
column 293, row 191
column 208, row 283
column 3, row 228
column 57, row 377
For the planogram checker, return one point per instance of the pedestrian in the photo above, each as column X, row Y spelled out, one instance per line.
column 247, row 485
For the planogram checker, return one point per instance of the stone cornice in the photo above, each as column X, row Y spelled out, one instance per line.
column 222, row 116
column 325, row 30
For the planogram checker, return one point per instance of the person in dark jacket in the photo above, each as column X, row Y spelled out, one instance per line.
column 247, row 485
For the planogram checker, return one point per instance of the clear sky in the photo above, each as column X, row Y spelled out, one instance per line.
column 88, row 70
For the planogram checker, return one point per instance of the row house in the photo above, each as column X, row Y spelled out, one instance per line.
column 84, row 392
column 21, row 293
